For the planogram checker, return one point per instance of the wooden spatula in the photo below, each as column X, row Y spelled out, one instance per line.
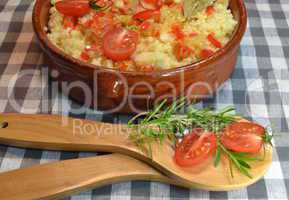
column 48, row 132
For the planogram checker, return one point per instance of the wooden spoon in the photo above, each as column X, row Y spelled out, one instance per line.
column 60, row 179
column 49, row 132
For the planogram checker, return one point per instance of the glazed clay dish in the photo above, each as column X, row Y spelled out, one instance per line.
column 180, row 62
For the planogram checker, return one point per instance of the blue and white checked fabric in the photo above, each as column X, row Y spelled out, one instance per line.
column 258, row 89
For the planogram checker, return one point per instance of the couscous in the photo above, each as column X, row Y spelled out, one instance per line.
column 138, row 35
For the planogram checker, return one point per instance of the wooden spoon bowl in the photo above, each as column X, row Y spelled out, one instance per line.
column 62, row 133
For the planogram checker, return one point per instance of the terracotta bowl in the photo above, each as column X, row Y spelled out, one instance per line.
column 114, row 91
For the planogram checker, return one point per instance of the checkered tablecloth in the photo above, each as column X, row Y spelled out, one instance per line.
column 259, row 89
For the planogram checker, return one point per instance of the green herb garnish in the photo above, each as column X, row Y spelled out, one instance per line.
column 239, row 163
column 169, row 121
column 217, row 156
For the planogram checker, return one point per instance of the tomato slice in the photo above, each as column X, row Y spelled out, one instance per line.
column 147, row 14
column 73, row 8
column 119, row 44
column 195, row 148
column 243, row 137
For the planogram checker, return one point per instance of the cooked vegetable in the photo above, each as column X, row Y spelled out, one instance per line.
column 214, row 41
column 205, row 53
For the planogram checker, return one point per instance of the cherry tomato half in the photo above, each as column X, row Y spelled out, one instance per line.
column 243, row 137
column 119, row 44
column 73, row 8
column 195, row 148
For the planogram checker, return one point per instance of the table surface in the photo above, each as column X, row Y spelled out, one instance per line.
column 258, row 89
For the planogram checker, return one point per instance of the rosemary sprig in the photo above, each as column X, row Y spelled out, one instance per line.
column 217, row 156
column 239, row 162
column 169, row 121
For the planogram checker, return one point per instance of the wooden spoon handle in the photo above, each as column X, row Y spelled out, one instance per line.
column 59, row 179
column 62, row 133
